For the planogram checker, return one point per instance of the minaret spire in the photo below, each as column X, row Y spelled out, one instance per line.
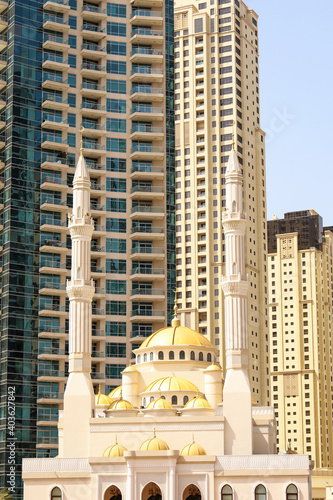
column 237, row 399
column 79, row 394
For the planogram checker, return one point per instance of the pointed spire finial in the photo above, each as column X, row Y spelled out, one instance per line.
column 154, row 430
column 81, row 142
column 193, row 440
column 232, row 124
column 99, row 388
column 116, row 439
column 175, row 321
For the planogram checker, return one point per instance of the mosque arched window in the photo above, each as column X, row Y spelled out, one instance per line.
column 185, row 400
column 200, row 356
column 151, row 356
column 174, row 400
column 139, row 359
column 151, row 492
column 209, row 357
column 260, row 492
column 182, row 355
column 192, row 356
column 234, row 206
column 56, row 494
column 152, row 398
column 160, row 355
column 144, row 402
column 226, row 493
column 171, row 355
column 145, row 358
column 292, row 492
column 192, row 492
column 113, row 493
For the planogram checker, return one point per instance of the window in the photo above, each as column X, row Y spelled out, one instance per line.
column 171, row 355
column 116, row 145
column 226, row 493
column 56, row 494
column 209, row 358
column 114, row 266
column 116, row 67
column 115, row 205
column 116, row 105
column 115, row 350
column 116, row 86
column 116, row 29
column 116, row 225
column 182, row 355
column 174, row 400
column 292, row 492
column 115, row 328
column 160, row 355
column 115, row 307
column 114, row 371
column 200, row 356
column 116, row 185
column 114, row 245
column 185, row 400
column 260, row 492
column 116, row 286
column 116, row 48
column 116, row 10
column 192, row 356
column 72, row 41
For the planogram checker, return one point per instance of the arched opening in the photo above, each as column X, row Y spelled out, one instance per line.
column 145, row 358
column 160, row 355
column 234, row 268
column 200, row 356
column 113, row 493
column 138, row 359
column 174, row 400
column 56, row 494
column 144, row 402
column 151, row 356
column 185, row 400
column 192, row 492
column 209, row 357
column 260, row 492
column 192, row 356
column 182, row 355
column 151, row 492
column 152, row 398
column 234, row 206
column 292, row 492
column 171, row 355
column 226, row 493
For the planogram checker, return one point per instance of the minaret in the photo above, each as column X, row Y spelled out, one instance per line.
column 79, row 393
column 237, row 398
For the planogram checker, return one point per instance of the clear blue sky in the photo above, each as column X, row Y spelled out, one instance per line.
column 296, row 88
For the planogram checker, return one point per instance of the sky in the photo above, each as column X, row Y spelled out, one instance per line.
column 296, row 89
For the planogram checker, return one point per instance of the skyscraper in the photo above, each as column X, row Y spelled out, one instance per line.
column 105, row 69
column 300, row 320
column 216, row 95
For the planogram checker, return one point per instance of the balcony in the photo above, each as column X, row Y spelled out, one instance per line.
column 97, row 271
column 92, row 129
column 54, row 82
column 92, row 13
column 54, row 123
column 3, row 42
column 54, row 397
column 57, row 5
column 144, row 17
column 148, row 253
column 52, row 310
column 97, row 209
column 97, row 251
column 55, row 42
column 92, row 51
column 53, row 246
column 93, row 90
column 146, row 112
column 147, row 3
column 147, row 36
column 150, row 293
column 99, row 230
column 146, row 55
column 147, row 192
column 3, row 6
column 144, row 172
column 98, row 376
column 97, row 311
column 91, row 32
column 148, row 315
column 2, row 142
column 54, row 204
column 51, row 101
column 52, row 266
column 92, row 109
column 53, row 141
column 146, row 232
column 98, row 333
column 54, row 162
column 55, row 23
column 91, row 148
column 143, row 74
column 3, row 23
column 146, row 152
column 144, row 131
column 3, row 62
column 55, row 62
column 52, row 332
column 50, row 224
column 3, row 82
column 53, row 373
column 92, row 165
column 146, row 93
column 46, row 352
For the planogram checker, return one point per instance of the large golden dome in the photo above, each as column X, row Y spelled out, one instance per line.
column 171, row 384
column 176, row 335
column 116, row 392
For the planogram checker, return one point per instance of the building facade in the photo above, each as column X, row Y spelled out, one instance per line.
column 102, row 71
column 216, row 96
column 145, row 443
column 300, row 318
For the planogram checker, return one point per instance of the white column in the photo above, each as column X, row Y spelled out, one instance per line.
column 172, row 483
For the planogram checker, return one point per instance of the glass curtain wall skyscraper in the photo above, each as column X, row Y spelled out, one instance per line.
column 102, row 71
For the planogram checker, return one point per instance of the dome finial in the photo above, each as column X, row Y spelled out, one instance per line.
column 116, row 439
column 81, row 142
column 154, row 430
column 99, row 388
column 232, row 124
column 175, row 321
column 193, row 440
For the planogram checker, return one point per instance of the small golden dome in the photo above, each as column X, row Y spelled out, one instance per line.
column 116, row 450
column 154, row 444
column 116, row 392
column 121, row 404
column 192, row 449
column 160, row 403
column 213, row 367
column 130, row 368
column 176, row 335
column 102, row 399
column 197, row 402
column 171, row 384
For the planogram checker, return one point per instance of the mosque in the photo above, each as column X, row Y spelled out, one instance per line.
column 172, row 430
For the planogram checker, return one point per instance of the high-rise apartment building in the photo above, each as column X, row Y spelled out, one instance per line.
column 104, row 71
column 216, row 96
column 300, row 321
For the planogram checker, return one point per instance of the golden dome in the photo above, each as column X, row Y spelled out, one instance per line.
column 213, row 367
column 159, row 403
column 102, row 399
column 176, row 335
column 121, row 404
column 154, row 444
column 197, row 402
column 130, row 368
column 115, row 393
column 192, row 449
column 116, row 450
column 171, row 384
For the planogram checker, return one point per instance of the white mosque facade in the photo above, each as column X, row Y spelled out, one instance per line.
column 172, row 430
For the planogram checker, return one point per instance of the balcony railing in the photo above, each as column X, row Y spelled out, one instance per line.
column 146, row 31
column 148, row 51
column 151, row 210
column 47, row 417
column 92, row 46
column 54, row 78
column 92, row 86
column 146, row 168
column 95, row 29
column 54, row 18
column 148, row 270
column 50, row 395
column 52, row 350
column 147, row 71
column 53, row 180
column 53, row 222
column 60, row 2
column 92, row 126
column 146, row 89
column 145, row 229
column 92, row 66
column 98, row 311
column 92, row 8
column 148, row 312
column 142, row 127
column 54, row 38
column 53, row 286
column 52, row 329
column 52, row 137
column 97, row 375
column 148, row 250
column 147, row 291
column 95, row 166
column 146, row 148
column 147, row 189
column 92, row 105
column 93, row 145
column 97, row 206
column 147, row 13
column 97, row 269
column 53, row 159
column 52, row 372
column 98, row 333
column 146, row 109
column 48, row 96
column 52, row 307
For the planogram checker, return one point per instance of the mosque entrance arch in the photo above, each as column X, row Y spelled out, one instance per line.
column 151, row 492
column 113, row 493
column 192, row 492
